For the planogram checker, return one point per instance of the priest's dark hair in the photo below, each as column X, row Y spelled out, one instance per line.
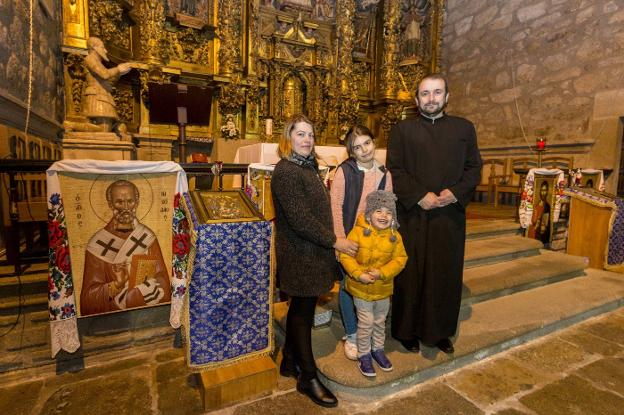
column 355, row 132
column 435, row 75
column 284, row 146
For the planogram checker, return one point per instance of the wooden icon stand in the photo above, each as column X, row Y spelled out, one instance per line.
column 238, row 382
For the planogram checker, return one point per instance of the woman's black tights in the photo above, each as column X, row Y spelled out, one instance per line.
column 298, row 344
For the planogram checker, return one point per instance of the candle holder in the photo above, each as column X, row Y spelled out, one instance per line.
column 540, row 147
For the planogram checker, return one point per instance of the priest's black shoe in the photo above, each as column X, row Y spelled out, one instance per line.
column 446, row 346
column 411, row 345
column 316, row 391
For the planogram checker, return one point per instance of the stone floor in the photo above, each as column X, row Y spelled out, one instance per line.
column 579, row 370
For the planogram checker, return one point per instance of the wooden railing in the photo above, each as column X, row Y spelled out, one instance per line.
column 24, row 206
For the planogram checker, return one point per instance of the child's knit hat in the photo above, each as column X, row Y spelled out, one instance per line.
column 379, row 199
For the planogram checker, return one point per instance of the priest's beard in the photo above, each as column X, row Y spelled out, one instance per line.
column 124, row 220
column 432, row 110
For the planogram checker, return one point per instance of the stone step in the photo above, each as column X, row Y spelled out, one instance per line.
column 518, row 273
column 28, row 303
column 28, row 345
column 495, row 280
column 38, row 352
column 36, row 283
column 488, row 281
column 499, row 249
column 493, row 326
column 479, row 228
column 31, row 319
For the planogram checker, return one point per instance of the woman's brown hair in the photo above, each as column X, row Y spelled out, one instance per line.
column 284, row 146
column 353, row 133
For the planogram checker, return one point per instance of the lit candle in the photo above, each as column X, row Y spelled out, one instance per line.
column 269, row 126
column 541, row 144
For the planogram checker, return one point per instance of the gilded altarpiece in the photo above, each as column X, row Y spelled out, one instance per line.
column 338, row 61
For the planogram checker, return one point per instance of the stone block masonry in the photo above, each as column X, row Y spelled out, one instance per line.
column 552, row 56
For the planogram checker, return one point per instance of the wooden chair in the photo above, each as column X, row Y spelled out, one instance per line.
column 556, row 162
column 491, row 170
column 514, row 181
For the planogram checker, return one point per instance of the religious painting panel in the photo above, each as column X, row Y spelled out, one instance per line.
column 324, row 9
column 363, row 27
column 47, row 76
column 591, row 180
column 118, row 239
column 259, row 188
column 545, row 188
column 191, row 13
column 119, row 232
column 366, row 5
column 227, row 205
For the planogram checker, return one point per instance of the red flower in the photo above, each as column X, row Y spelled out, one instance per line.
column 62, row 259
column 181, row 244
column 183, row 224
column 55, row 234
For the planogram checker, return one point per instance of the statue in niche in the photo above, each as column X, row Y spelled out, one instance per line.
column 189, row 13
column 323, row 9
column 294, row 96
column 98, row 103
column 296, row 4
column 414, row 14
column 229, row 131
column 362, row 32
column 189, row 7
column 366, row 5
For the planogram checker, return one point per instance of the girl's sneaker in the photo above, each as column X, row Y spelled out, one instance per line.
column 350, row 350
column 365, row 364
column 382, row 360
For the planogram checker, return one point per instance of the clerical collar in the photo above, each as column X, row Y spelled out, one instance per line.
column 435, row 117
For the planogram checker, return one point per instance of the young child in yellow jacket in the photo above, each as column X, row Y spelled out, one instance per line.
column 381, row 256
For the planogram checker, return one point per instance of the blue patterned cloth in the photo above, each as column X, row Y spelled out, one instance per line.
column 229, row 307
column 615, row 254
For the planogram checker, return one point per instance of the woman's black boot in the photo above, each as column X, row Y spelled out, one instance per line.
column 316, row 391
column 288, row 367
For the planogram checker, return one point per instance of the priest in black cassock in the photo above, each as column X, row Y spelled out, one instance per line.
column 435, row 166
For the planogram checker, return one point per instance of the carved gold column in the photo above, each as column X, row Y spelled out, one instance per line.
column 347, row 98
column 75, row 76
column 229, row 33
column 75, row 23
column 152, row 39
column 390, row 116
column 391, row 26
column 437, row 20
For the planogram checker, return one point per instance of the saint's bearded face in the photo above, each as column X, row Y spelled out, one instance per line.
column 124, row 204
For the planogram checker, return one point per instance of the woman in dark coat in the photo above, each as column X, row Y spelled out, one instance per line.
column 305, row 244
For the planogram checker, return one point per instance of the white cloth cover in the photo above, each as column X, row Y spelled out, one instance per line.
column 526, row 204
column 64, row 329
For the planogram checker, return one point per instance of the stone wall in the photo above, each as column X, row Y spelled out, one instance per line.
column 544, row 62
